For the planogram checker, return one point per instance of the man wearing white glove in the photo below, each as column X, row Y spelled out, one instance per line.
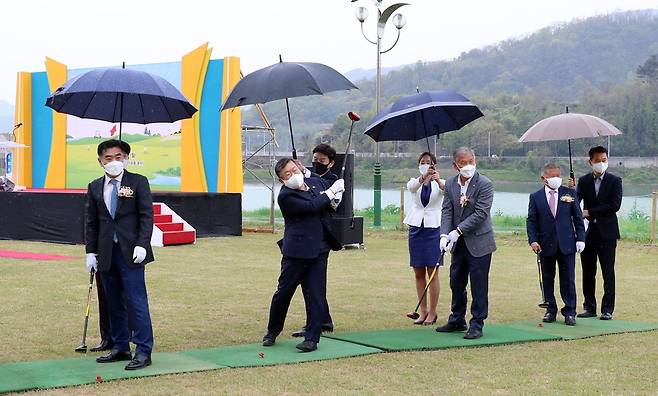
column 119, row 223
column 556, row 232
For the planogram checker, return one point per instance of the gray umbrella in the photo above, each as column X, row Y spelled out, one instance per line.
column 569, row 126
column 285, row 80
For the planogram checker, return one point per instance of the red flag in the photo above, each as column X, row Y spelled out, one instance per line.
column 113, row 130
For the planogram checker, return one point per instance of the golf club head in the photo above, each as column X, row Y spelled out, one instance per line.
column 81, row 349
column 353, row 116
column 413, row 315
column 543, row 305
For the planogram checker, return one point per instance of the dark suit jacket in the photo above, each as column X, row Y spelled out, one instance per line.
column 307, row 220
column 133, row 221
column 560, row 232
column 602, row 209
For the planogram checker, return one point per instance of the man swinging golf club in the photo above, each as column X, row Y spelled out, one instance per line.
column 307, row 239
column 119, row 223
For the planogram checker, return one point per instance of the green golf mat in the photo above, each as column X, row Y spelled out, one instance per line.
column 584, row 328
column 282, row 352
column 84, row 370
column 427, row 338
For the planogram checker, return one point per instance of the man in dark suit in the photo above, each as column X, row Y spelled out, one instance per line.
column 556, row 232
column 601, row 194
column 307, row 240
column 119, row 223
column 467, row 232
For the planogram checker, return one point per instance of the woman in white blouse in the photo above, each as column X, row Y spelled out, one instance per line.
column 424, row 221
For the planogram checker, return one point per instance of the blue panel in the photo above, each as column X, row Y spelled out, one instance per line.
column 210, row 120
column 42, row 129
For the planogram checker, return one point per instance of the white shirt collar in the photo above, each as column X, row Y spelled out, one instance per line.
column 118, row 178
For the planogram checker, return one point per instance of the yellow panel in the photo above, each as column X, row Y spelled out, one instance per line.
column 230, row 137
column 193, row 70
column 56, row 175
column 23, row 113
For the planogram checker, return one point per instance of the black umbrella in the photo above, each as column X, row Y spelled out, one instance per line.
column 421, row 115
column 285, row 80
column 121, row 95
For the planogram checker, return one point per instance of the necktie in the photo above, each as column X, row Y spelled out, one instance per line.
column 552, row 202
column 597, row 185
column 114, row 200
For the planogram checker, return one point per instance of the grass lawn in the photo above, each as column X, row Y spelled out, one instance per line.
column 218, row 292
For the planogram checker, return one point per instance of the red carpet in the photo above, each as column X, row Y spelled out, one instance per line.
column 33, row 256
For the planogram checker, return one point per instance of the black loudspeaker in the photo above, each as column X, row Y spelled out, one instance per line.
column 345, row 209
column 348, row 230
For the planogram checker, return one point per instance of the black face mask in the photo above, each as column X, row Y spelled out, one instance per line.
column 320, row 168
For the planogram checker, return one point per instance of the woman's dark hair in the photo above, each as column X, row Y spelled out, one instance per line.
column 427, row 153
column 326, row 150
column 280, row 165
column 596, row 150
column 108, row 144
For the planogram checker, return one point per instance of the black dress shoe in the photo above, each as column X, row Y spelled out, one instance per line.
column 570, row 320
column 606, row 316
column 139, row 362
column 327, row 327
column 450, row 328
column 104, row 345
column 114, row 356
column 307, row 346
column 269, row 340
column 548, row 318
column 300, row 333
column 587, row 314
column 473, row 334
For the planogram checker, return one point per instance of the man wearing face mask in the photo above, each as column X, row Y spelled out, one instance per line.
column 601, row 194
column 323, row 160
column 556, row 232
column 307, row 239
column 467, row 232
column 119, row 223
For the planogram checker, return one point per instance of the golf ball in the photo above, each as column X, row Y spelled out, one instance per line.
column 99, row 378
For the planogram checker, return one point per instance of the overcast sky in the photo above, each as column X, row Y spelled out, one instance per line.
column 103, row 33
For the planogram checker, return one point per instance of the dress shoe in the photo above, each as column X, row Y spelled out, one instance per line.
column 587, row 314
column 473, row 334
column 570, row 320
column 548, row 318
column 307, row 346
column 269, row 340
column 300, row 333
column 114, row 356
column 606, row 316
column 428, row 322
column 420, row 320
column 450, row 328
column 327, row 327
column 104, row 345
column 139, row 362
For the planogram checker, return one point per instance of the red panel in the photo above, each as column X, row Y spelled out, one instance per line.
column 170, row 226
column 177, row 237
column 157, row 209
column 157, row 219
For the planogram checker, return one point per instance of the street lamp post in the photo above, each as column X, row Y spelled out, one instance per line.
column 398, row 21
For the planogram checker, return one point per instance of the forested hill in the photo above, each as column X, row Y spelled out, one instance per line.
column 560, row 63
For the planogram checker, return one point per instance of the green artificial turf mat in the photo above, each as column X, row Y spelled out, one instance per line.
column 584, row 328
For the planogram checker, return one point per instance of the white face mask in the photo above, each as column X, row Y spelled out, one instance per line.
column 114, row 168
column 467, row 171
column 296, row 181
column 600, row 167
column 423, row 168
column 554, row 182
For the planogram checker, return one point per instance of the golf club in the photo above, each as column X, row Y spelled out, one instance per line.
column 354, row 118
column 543, row 303
column 415, row 315
column 83, row 347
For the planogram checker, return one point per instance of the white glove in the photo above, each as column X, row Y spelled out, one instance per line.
column 580, row 246
column 336, row 200
column 453, row 236
column 443, row 244
column 139, row 254
column 307, row 173
column 450, row 246
column 92, row 263
column 338, row 186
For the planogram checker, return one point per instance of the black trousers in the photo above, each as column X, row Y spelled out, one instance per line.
column 327, row 320
column 462, row 267
column 295, row 271
column 604, row 250
column 103, row 311
column 566, row 265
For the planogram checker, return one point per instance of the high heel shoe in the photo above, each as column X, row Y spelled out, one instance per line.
column 420, row 320
column 426, row 323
